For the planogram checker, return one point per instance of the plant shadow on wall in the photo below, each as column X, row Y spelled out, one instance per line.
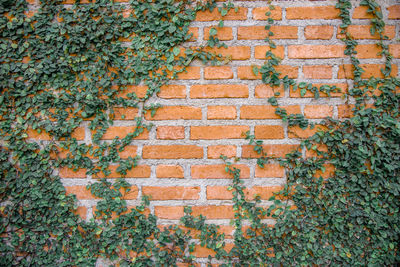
column 65, row 67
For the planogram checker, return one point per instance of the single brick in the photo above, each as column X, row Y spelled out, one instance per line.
column 341, row 86
column 66, row 172
column 269, row 132
column 217, row 171
column 81, row 211
column 125, row 113
column 312, row 12
column 170, row 132
column 318, row 111
column 129, row 151
column 234, row 52
column 368, row 51
column 259, row 13
column 317, row 72
column 265, row 112
column 246, row 72
column 363, row 32
column 219, row 91
column 176, row 113
column 266, row 91
column 138, row 90
column 78, row 133
column 345, row 111
column 122, row 131
column 218, row 132
column 315, row 32
column 371, row 70
column 361, row 12
column 204, row 252
column 270, row 171
column 169, row 171
column 297, row 132
column 394, row 12
column 172, row 91
column 316, row 51
column 195, row 33
column 221, row 112
column 211, row 212
column 140, row 171
column 259, row 32
column 260, row 51
column 214, row 152
column 82, row 192
column 276, row 150
column 169, row 212
column 222, row 192
column 191, row 73
column 207, row 15
column 173, row 152
column 394, row 49
column 223, row 33
column 171, row 192
column 218, row 73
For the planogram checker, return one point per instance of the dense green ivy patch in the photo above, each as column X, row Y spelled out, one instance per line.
column 63, row 66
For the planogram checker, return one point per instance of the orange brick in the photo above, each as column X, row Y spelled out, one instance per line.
column 259, row 13
column 176, row 113
column 169, row 171
column 312, row 12
column 345, row 111
column 271, row 150
column 138, row 90
column 170, row 132
column 314, row 32
column 211, row 212
column 82, row 193
column 360, row 12
column 270, row 171
column 169, row 212
column 217, row 171
column 219, row 91
column 317, row 72
column 368, row 51
column 129, row 151
column 260, row 51
column 171, row 192
column 125, row 113
column 394, row 12
column 363, row 32
column 140, row 171
column 394, row 49
column 122, row 131
column 297, row 132
column 221, row 112
column 218, row 72
column 269, row 132
column 172, row 91
column 264, row 112
column 173, row 152
column 203, row 252
column 81, row 211
column 191, row 73
column 195, row 33
column 78, row 133
column 66, row 172
column 223, row 33
column 215, row 15
column 234, row 52
column 214, row 152
column 222, row 192
column 342, row 86
column 266, row 91
column 259, row 32
column 316, row 51
column 246, row 72
column 218, row 132
column 318, row 111
column 371, row 70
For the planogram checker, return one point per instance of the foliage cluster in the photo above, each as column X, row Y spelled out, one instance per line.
column 62, row 67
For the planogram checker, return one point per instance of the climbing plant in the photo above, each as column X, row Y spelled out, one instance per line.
column 67, row 65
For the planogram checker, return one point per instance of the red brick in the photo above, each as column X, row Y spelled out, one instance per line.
column 371, row 70
column 223, row 33
column 266, row 91
column 214, row 152
column 363, row 32
column 315, row 32
column 81, row 211
column 345, row 111
column 270, row 171
column 271, row 150
column 171, row 192
column 394, row 49
column 66, row 172
column 172, row 91
column 260, row 51
column 221, row 112
column 269, row 132
column 312, row 12
column 215, row 15
column 173, row 152
column 122, row 131
column 125, row 113
column 170, row 132
column 219, row 91
column 211, row 212
column 264, row 112
column 176, row 113
column 360, row 12
column 246, row 72
column 218, row 72
column 259, row 32
column 78, row 133
column 233, row 52
column 222, row 192
column 316, row 51
column 342, row 86
column 259, row 13
column 317, row 72
column 368, row 51
column 217, row 171
column 191, row 73
column 169, row 212
column 169, row 171
column 140, row 171
column 218, row 132
column 129, row 151
column 195, row 32
column 394, row 12
column 318, row 111
column 297, row 132
column 82, row 193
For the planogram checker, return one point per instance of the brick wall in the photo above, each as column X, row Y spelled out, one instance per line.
column 206, row 111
